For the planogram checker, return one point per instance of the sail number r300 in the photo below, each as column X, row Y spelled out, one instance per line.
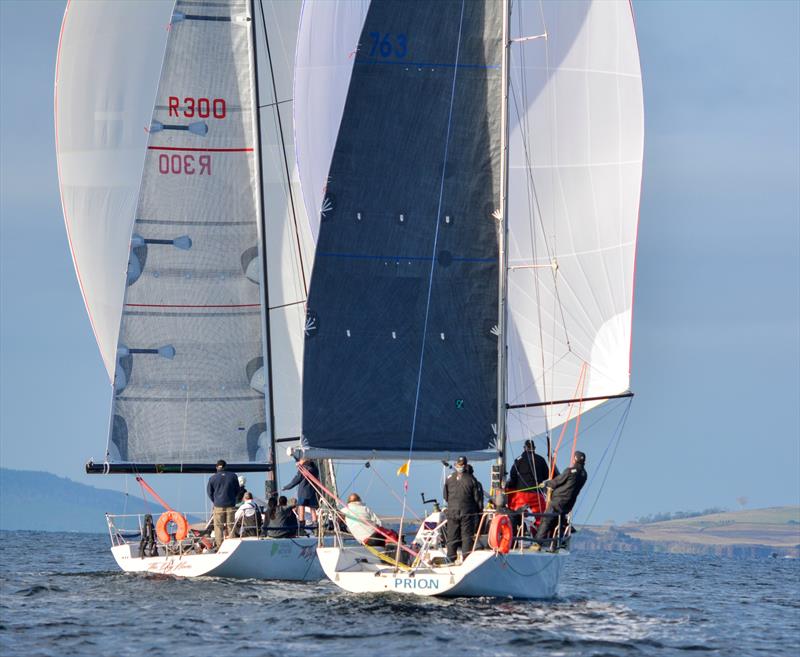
column 200, row 107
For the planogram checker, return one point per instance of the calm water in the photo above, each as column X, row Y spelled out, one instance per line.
column 61, row 594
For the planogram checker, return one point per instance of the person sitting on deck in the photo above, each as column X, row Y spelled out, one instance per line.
column 362, row 523
column 247, row 521
column 281, row 519
column 565, row 491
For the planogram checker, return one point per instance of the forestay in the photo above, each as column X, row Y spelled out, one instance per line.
column 190, row 376
column 401, row 346
column 290, row 245
column 576, row 165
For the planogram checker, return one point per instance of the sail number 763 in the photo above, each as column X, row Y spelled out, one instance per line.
column 388, row 45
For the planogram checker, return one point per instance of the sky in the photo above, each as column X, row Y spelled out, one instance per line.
column 716, row 337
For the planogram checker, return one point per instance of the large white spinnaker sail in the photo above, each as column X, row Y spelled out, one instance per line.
column 577, row 131
column 107, row 69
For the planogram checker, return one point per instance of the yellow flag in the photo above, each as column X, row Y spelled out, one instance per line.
column 403, row 469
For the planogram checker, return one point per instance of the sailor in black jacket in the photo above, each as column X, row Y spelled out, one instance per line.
column 529, row 469
column 464, row 496
column 565, row 489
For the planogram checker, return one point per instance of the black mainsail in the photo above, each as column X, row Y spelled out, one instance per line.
column 401, row 334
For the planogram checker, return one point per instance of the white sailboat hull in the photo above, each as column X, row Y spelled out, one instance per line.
column 239, row 558
column 518, row 574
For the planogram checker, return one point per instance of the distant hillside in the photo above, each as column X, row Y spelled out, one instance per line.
column 45, row 502
column 757, row 532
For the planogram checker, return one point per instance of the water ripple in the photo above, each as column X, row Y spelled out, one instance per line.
column 610, row 604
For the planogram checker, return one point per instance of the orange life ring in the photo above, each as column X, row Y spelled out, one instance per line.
column 172, row 516
column 500, row 534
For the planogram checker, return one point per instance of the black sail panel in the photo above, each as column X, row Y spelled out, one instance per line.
column 404, row 293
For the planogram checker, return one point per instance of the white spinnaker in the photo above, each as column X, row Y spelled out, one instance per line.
column 107, row 69
column 326, row 45
column 576, row 148
column 290, row 246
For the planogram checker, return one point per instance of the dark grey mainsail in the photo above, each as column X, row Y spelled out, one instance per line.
column 401, row 345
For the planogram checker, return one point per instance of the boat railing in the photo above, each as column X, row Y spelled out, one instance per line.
column 128, row 528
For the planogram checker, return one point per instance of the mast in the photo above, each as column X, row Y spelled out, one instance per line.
column 502, row 240
column 272, row 476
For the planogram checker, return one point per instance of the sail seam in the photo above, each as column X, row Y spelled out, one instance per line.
column 201, row 150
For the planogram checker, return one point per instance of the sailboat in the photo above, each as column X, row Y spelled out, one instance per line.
column 179, row 192
column 473, row 169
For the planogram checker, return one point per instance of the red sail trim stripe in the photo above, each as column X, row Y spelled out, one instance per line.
column 202, row 150
column 170, row 305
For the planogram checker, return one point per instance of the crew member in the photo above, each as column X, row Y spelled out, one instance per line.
column 527, row 473
column 464, row 496
column 362, row 523
column 247, row 521
column 282, row 519
column 306, row 493
column 565, row 489
column 223, row 487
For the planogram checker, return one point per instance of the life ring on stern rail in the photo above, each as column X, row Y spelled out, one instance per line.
column 500, row 534
column 172, row 516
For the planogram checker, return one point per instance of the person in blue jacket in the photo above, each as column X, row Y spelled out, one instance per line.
column 222, row 489
column 306, row 493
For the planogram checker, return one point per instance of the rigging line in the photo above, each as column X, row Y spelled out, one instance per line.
column 394, row 494
column 611, row 408
column 353, row 480
column 621, row 428
column 286, row 305
column 578, row 419
column 280, row 102
column 521, row 393
column 530, row 191
column 538, row 212
column 436, row 234
column 316, row 483
column 566, row 422
column 185, row 433
column 266, row 330
column 283, row 149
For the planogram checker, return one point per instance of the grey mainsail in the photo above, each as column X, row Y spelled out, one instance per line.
column 401, row 343
column 190, row 377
